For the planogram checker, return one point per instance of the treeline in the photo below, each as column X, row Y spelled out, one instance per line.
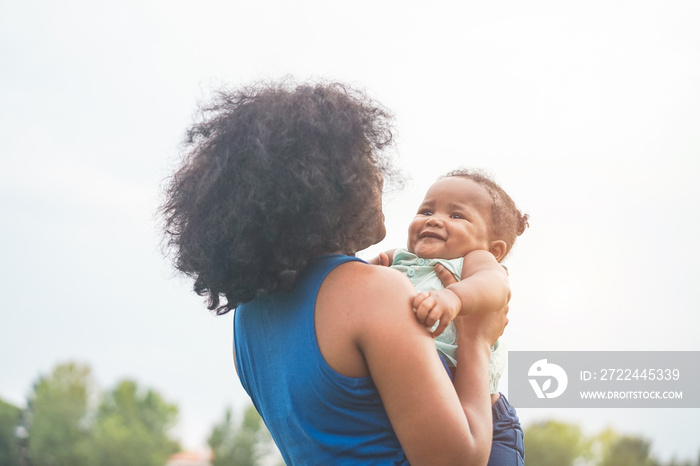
column 69, row 421
column 554, row 443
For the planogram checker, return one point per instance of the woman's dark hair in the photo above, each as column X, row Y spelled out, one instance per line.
column 507, row 222
column 272, row 176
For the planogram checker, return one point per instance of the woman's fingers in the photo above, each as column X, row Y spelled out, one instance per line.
column 445, row 275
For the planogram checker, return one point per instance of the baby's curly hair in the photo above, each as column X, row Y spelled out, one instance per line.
column 272, row 176
column 507, row 222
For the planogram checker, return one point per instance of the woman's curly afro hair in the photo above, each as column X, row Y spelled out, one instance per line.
column 507, row 222
column 274, row 175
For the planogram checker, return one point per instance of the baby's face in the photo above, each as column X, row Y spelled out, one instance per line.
column 452, row 220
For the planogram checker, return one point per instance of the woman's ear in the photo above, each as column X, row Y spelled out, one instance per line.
column 498, row 249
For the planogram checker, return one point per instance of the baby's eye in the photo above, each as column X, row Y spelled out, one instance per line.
column 458, row 216
column 425, row 212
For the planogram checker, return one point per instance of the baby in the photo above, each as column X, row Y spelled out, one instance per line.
column 466, row 225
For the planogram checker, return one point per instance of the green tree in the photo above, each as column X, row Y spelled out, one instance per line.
column 554, row 443
column 132, row 427
column 628, row 450
column 10, row 416
column 59, row 410
column 242, row 446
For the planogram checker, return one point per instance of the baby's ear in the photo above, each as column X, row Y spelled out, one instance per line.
column 498, row 249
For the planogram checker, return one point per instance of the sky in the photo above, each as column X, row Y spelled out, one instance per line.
column 587, row 113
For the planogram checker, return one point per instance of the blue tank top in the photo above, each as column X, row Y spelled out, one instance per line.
column 316, row 416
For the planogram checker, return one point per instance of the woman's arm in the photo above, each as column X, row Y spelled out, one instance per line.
column 364, row 330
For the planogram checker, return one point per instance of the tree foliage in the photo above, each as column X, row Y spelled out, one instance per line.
column 628, row 450
column 10, row 416
column 68, row 422
column 71, row 424
column 59, row 417
column 241, row 446
column 132, row 427
column 554, row 443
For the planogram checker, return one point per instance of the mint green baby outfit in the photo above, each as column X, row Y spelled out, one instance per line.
column 422, row 274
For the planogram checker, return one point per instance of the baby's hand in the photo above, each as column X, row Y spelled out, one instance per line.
column 438, row 305
column 382, row 259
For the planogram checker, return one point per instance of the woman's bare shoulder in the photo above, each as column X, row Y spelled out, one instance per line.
column 375, row 301
column 358, row 303
column 373, row 286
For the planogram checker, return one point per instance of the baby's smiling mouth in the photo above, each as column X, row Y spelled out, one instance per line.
column 431, row 234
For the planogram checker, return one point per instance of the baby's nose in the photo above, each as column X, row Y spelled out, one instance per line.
column 433, row 221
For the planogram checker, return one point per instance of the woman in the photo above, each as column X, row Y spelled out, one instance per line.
column 280, row 187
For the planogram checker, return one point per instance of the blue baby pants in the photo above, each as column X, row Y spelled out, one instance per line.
column 507, row 448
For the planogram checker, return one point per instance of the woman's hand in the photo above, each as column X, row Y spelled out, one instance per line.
column 445, row 275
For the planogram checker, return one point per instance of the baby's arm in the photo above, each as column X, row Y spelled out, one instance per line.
column 483, row 288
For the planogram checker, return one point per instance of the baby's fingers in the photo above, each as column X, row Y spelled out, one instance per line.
column 384, row 259
column 440, row 328
column 423, row 303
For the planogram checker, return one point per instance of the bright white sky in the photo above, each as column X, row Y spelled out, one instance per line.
column 588, row 113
